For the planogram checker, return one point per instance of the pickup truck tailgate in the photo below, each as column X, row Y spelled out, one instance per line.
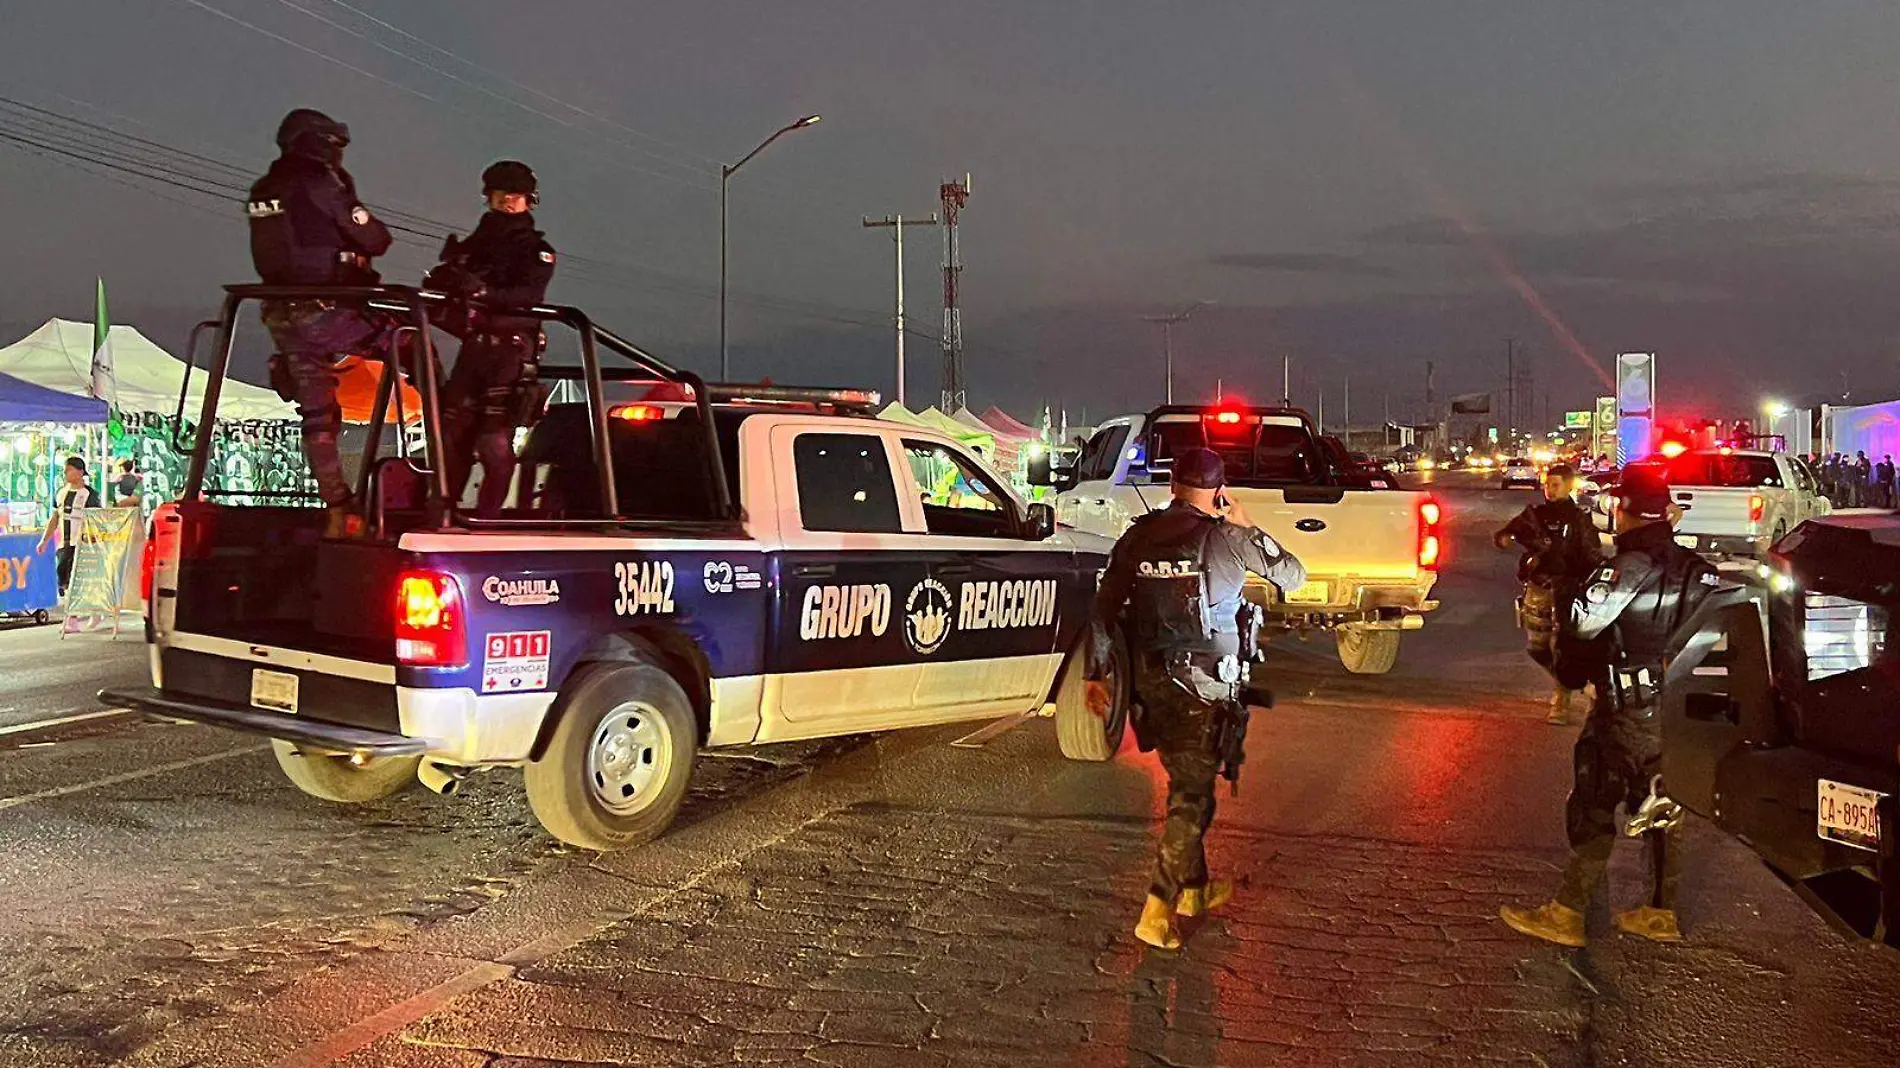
column 1368, row 534
column 1717, row 510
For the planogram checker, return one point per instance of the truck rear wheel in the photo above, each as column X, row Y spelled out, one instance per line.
column 339, row 779
column 615, row 771
column 1367, row 652
column 1081, row 734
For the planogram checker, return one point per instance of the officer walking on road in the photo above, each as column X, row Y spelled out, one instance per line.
column 1560, row 549
column 1174, row 581
column 1620, row 629
column 504, row 264
column 309, row 229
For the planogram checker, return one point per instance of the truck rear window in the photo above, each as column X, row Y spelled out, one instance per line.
column 1255, row 454
column 1715, row 469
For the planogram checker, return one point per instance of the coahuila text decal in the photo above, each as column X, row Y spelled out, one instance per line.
column 845, row 611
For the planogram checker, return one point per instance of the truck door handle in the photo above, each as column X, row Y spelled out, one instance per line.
column 814, row 570
column 1101, row 500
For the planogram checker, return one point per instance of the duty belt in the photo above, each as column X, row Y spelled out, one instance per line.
column 352, row 259
column 498, row 340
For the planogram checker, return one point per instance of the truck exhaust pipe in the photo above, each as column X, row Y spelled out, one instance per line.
column 443, row 780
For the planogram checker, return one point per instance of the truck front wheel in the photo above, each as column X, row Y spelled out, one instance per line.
column 340, row 779
column 1081, row 734
column 615, row 771
column 1367, row 652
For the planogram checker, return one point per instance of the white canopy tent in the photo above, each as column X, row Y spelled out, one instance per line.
column 58, row 356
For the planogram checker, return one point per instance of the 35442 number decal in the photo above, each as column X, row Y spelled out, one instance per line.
column 643, row 587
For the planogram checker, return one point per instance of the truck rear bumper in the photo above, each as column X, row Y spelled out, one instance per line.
column 1754, row 545
column 335, row 737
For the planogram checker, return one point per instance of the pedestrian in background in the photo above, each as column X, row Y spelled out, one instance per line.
column 1560, row 547
column 125, row 488
column 1884, row 480
column 72, row 498
column 1863, row 478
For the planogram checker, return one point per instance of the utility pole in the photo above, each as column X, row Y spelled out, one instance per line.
column 725, row 179
column 1346, row 417
column 1430, row 369
column 1167, row 340
column 953, row 195
column 897, row 224
column 1286, row 381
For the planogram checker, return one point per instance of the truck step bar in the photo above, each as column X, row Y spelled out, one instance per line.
column 334, row 737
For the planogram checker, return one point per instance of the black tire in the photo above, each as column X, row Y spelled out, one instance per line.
column 1080, row 734
column 1367, row 652
column 336, row 778
column 41, row 615
column 615, row 771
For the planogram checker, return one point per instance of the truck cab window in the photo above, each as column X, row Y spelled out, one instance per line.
column 1099, row 456
column 845, row 485
column 958, row 497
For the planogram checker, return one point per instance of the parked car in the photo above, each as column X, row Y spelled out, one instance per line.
column 1737, row 503
column 1519, row 473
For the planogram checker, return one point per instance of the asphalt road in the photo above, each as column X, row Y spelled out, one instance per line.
column 167, row 899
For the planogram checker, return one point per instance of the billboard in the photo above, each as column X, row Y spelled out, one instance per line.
column 1577, row 420
column 1471, row 404
column 1635, row 405
column 1603, row 429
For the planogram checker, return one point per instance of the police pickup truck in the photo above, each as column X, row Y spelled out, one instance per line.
column 1371, row 554
column 1781, row 718
column 741, row 566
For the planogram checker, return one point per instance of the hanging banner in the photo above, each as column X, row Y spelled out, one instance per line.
column 29, row 578
column 1577, row 420
column 101, row 560
column 1635, row 405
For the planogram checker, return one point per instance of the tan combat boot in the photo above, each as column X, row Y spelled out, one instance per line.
column 1156, row 926
column 1559, row 714
column 1552, row 922
column 1198, row 901
column 1657, row 925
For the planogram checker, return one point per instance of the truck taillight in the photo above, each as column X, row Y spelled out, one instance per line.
column 164, row 544
column 1431, row 547
column 431, row 629
column 1757, row 504
column 148, row 569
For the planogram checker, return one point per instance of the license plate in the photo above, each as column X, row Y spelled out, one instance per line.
column 275, row 690
column 1309, row 593
column 1687, row 541
column 1848, row 814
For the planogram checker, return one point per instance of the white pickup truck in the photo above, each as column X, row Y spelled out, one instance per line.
column 1371, row 555
column 1736, row 503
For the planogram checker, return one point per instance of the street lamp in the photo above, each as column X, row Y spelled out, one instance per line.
column 1775, row 409
column 725, row 176
column 1167, row 338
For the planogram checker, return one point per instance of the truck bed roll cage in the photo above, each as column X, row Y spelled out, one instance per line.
column 408, row 307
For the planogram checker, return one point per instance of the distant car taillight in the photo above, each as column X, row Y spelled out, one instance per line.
column 431, row 628
column 1430, row 544
column 1757, row 504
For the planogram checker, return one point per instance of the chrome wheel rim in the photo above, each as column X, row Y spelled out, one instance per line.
column 628, row 757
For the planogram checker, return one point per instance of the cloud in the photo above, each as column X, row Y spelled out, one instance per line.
column 1302, row 263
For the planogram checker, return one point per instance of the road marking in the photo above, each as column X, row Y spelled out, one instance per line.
column 129, row 776
column 982, row 736
column 41, row 724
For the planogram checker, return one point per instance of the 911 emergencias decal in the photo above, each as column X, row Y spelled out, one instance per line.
column 515, row 661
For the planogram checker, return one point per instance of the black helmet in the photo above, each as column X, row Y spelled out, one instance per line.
column 511, row 176
column 307, row 129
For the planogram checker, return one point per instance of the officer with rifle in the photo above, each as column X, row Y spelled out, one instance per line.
column 1173, row 584
column 1614, row 639
column 504, row 265
column 1560, row 548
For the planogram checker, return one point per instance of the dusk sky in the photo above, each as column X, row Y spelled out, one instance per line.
column 1359, row 186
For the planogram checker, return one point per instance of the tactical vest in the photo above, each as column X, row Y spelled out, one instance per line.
column 1171, row 610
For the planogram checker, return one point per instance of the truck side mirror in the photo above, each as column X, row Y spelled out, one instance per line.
column 1041, row 469
column 1041, row 520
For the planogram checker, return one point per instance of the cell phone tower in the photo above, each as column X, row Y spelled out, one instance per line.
column 954, row 195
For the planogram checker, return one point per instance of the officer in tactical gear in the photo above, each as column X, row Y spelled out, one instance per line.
column 1174, row 581
column 1615, row 637
column 309, row 229
column 504, row 264
column 1561, row 549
